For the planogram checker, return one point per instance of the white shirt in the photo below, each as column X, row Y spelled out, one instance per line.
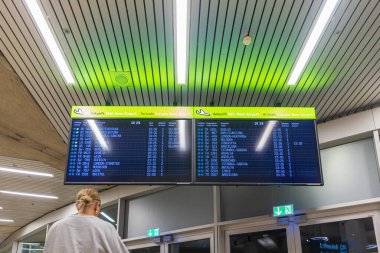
column 83, row 234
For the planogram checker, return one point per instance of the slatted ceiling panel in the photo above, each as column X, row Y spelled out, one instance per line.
column 40, row 59
column 235, row 40
column 289, row 33
column 199, row 22
column 370, row 92
column 298, row 34
column 84, row 54
column 353, row 62
column 271, row 43
column 318, row 67
column 158, row 8
column 266, row 42
column 306, row 19
column 347, row 64
column 307, row 83
column 29, row 66
column 247, row 15
column 135, row 45
column 323, row 66
column 262, row 12
column 127, row 52
column 243, row 52
column 366, row 51
column 150, row 23
column 17, row 64
column 102, row 53
column 340, row 64
column 149, row 38
column 355, row 85
column 59, row 21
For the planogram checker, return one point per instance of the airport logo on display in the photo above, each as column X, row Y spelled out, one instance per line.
column 283, row 210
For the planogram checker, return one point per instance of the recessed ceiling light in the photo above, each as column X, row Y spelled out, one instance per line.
column 21, row 171
column 315, row 34
column 29, row 194
column 50, row 40
column 1, row 208
column 6, row 220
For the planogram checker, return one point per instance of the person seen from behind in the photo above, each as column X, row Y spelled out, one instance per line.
column 84, row 232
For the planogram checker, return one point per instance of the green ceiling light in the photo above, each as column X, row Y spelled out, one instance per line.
column 50, row 41
column 314, row 36
column 181, row 20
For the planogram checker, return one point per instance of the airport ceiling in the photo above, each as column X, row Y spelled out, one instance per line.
column 121, row 52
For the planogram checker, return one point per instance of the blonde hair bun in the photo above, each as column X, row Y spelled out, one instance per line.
column 87, row 197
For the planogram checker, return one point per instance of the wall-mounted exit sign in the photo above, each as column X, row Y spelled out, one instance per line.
column 153, row 232
column 283, row 210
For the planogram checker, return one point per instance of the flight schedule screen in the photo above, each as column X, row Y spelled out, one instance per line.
column 257, row 152
column 122, row 151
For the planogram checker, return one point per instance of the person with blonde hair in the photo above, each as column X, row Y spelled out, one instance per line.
column 84, row 232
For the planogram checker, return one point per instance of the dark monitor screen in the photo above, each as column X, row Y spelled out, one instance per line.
column 242, row 151
column 123, row 151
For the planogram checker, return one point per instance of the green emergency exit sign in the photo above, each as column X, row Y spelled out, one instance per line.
column 152, row 232
column 283, row 210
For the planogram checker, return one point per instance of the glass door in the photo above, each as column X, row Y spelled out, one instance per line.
column 145, row 247
column 259, row 239
column 198, row 241
column 339, row 234
column 191, row 243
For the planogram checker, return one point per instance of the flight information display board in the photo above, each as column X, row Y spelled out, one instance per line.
column 135, row 150
column 249, row 148
column 193, row 145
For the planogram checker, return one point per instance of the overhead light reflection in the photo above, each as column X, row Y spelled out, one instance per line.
column 182, row 134
column 97, row 133
column 264, row 137
column 316, row 33
column 267, row 243
column 107, row 217
column 371, row 246
column 319, row 238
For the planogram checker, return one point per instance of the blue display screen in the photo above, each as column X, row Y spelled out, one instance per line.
column 257, row 152
column 123, row 151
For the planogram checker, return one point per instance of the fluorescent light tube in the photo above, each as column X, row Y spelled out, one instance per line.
column 97, row 133
column 6, row 220
column 316, row 33
column 264, row 137
column 107, row 217
column 6, row 169
column 29, row 195
column 1, row 208
column 50, row 41
column 181, row 40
